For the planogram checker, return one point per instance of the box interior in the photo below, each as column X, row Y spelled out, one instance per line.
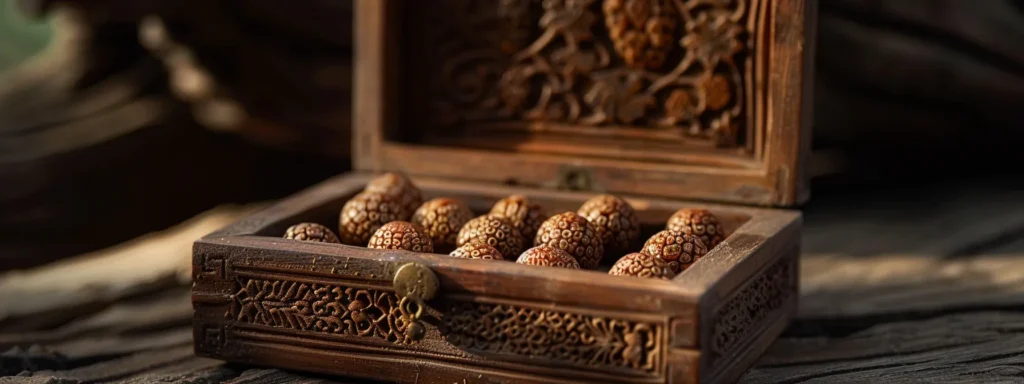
column 652, row 218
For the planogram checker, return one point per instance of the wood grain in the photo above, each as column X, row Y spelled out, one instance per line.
column 67, row 290
column 963, row 348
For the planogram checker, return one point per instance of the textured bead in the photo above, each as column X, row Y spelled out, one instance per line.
column 311, row 232
column 442, row 218
column 678, row 249
column 523, row 214
column 698, row 222
column 642, row 265
column 573, row 234
column 615, row 220
column 401, row 235
column 396, row 184
column 477, row 250
column 495, row 231
column 548, row 256
column 363, row 214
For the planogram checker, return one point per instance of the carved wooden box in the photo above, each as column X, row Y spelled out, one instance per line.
column 663, row 102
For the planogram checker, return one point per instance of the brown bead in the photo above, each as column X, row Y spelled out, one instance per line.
column 573, row 234
column 678, row 249
column 698, row 222
column 401, row 235
column 548, row 256
column 615, row 220
column 523, row 214
column 397, row 184
column 311, row 232
column 495, row 231
column 642, row 265
column 442, row 218
column 477, row 250
column 364, row 214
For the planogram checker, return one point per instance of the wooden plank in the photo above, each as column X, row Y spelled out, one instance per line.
column 275, row 376
column 956, row 247
column 124, row 367
column 982, row 347
column 154, row 312
column 68, row 289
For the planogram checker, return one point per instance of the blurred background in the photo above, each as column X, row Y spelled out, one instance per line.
column 129, row 128
column 118, row 118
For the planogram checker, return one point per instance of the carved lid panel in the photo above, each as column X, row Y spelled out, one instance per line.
column 665, row 88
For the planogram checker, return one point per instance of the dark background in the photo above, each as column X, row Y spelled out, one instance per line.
column 99, row 143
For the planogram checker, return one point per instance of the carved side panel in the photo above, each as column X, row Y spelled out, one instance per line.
column 505, row 336
column 321, row 308
column 743, row 314
column 680, row 70
column 574, row 338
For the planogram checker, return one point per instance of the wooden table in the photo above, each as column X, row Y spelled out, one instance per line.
column 897, row 287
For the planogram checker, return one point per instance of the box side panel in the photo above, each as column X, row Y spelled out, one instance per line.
column 334, row 309
column 740, row 320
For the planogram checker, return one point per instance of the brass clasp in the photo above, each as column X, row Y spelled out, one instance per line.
column 415, row 283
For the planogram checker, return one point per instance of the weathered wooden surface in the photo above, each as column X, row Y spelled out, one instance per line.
column 901, row 287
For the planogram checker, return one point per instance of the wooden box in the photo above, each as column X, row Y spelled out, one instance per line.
column 556, row 100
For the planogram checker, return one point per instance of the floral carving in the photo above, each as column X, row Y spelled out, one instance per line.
column 587, row 341
column 641, row 30
column 742, row 314
column 584, row 340
column 672, row 65
column 321, row 308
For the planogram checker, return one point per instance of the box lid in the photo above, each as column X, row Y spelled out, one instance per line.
column 703, row 100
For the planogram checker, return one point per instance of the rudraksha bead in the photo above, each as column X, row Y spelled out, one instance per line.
column 615, row 220
column 401, row 235
column 364, row 214
column 311, row 232
column 524, row 215
column 698, row 222
column 678, row 249
column 642, row 265
column 477, row 250
column 396, row 184
column 442, row 218
column 495, row 231
column 573, row 234
column 548, row 256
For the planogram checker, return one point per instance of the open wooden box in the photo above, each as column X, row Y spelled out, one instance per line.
column 438, row 96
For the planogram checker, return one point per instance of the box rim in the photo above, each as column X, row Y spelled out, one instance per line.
column 706, row 276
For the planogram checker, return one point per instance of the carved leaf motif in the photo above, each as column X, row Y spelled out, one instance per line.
column 713, row 38
column 746, row 309
column 320, row 308
column 664, row 64
column 634, row 108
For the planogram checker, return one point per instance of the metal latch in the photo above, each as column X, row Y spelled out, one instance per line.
column 414, row 283
column 574, row 178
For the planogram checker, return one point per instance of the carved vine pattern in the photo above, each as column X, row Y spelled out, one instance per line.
column 321, row 308
column 574, row 338
column 577, row 339
column 743, row 314
column 666, row 64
